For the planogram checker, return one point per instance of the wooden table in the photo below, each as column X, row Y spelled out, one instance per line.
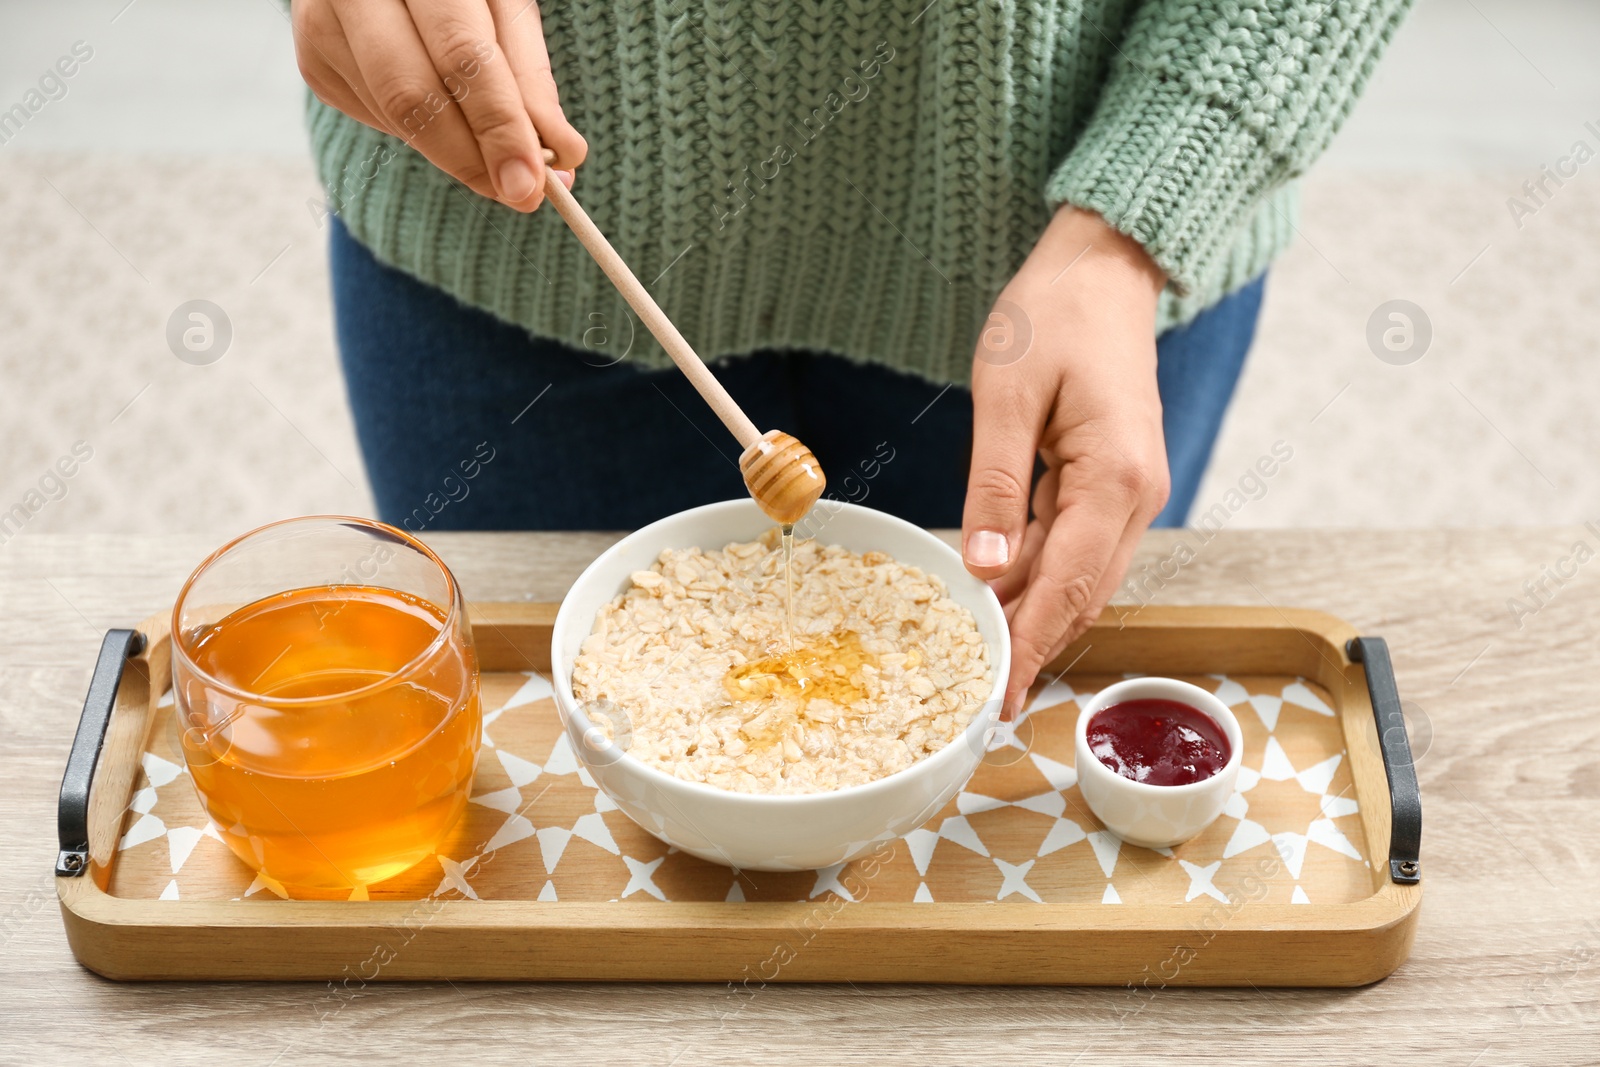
column 1506, row 967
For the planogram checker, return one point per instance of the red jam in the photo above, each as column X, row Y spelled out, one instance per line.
column 1158, row 742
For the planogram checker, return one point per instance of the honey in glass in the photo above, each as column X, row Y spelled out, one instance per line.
column 332, row 730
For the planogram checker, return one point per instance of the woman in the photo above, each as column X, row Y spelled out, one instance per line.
column 868, row 206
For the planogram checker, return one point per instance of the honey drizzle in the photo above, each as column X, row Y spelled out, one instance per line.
column 829, row 669
column 787, row 529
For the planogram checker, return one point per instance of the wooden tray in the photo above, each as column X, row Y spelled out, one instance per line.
column 1014, row 882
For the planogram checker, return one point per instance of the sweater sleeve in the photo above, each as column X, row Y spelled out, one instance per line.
column 1210, row 107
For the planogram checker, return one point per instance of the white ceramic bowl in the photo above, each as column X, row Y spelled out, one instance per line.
column 769, row 832
column 1156, row 816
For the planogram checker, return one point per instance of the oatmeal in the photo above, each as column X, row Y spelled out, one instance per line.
column 885, row 668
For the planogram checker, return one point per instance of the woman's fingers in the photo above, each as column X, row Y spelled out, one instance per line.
column 408, row 93
column 521, row 35
column 1009, row 409
column 1076, row 557
column 1110, row 581
column 327, row 66
column 1009, row 586
column 461, row 42
column 464, row 82
column 336, row 92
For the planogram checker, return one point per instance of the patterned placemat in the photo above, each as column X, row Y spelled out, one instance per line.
column 537, row 828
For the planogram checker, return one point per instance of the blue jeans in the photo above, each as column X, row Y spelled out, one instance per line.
column 468, row 423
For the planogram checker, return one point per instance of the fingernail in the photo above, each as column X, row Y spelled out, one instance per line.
column 516, row 181
column 988, row 548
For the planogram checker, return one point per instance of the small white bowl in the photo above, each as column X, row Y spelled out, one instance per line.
column 1156, row 816
column 776, row 832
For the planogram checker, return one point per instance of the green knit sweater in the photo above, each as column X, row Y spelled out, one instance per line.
column 862, row 176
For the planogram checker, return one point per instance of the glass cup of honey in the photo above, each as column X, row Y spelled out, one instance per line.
column 327, row 693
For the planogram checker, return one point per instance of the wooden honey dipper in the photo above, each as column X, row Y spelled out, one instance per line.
column 783, row 477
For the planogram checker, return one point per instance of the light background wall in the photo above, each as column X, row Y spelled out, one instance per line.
column 175, row 169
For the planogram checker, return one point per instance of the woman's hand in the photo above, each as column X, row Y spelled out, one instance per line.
column 1065, row 370
column 465, row 82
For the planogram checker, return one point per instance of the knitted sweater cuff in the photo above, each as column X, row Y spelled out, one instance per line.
column 1176, row 172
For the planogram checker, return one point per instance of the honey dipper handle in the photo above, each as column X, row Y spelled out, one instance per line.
column 649, row 311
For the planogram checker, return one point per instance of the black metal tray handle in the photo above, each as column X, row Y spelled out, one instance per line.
column 72, row 814
column 1405, row 798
